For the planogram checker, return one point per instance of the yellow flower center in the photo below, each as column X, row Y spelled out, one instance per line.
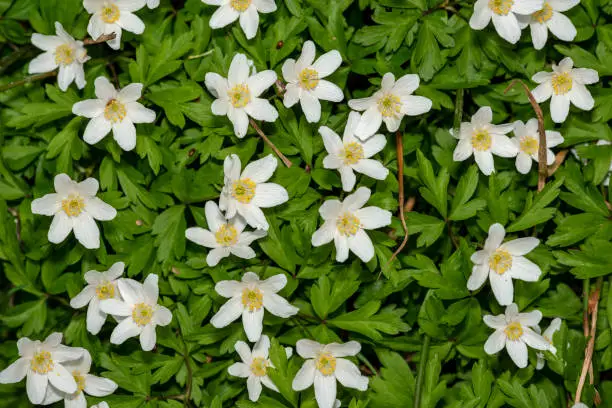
column 529, row 144
column 64, row 55
column 80, row 380
column 110, row 13
column 501, row 7
column 240, row 5
column 561, row 83
column 226, row 235
column 259, row 366
column 347, row 224
column 500, row 261
column 243, row 190
column 252, row 299
column 326, row 363
column 105, row 290
column 142, row 314
column 309, row 79
column 353, row 152
column 514, row 331
column 543, row 15
column 481, row 140
column 390, row 105
column 114, row 111
column 239, row 95
column 73, row 205
column 41, row 363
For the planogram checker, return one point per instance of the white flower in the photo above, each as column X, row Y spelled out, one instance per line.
column 502, row 263
column 580, row 405
column 225, row 236
column 247, row 193
column 238, row 95
column 254, row 366
column 351, row 154
column 111, row 16
column 74, row 206
column 100, row 286
column 390, row 104
column 41, row 363
column 248, row 299
column 86, row 384
column 527, row 140
column 103, row 404
column 247, row 10
column 513, row 331
column 305, row 81
column 504, row 14
column 152, row 4
column 113, row 110
column 483, row 139
column 550, row 18
column 548, row 334
column 603, row 142
column 324, row 365
column 345, row 223
column 63, row 51
column 565, row 84
column 140, row 309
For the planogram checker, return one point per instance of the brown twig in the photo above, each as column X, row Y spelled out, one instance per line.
column 542, row 166
column 269, row 142
column 280, row 87
column 101, row 39
column 399, row 144
column 27, row 80
column 113, row 71
column 559, row 159
column 593, row 305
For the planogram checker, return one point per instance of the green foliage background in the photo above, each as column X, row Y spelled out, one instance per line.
column 421, row 329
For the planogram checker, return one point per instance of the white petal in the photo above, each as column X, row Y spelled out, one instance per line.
column 278, row 306
column 542, row 92
column 65, row 77
column 99, row 210
column 269, row 195
column 585, row 76
column 529, row 319
column 252, row 322
column 393, row 123
column 521, row 246
column 130, row 22
column 104, row 89
column 292, row 95
column 215, row 255
column 361, row 245
column 253, row 215
column 482, row 15
column 347, row 177
column 503, row 147
column 495, row 342
column 373, row 217
column 151, row 289
column 36, row 386
column 229, row 312
column 115, row 307
column 370, row 122
column 534, row 340
column 43, row 63
column 356, row 200
column 201, row 237
column 478, row 277
column 371, row 168
column 502, row 287
column 124, row 330
column 229, row 289
column 463, row 150
column 327, row 63
column 223, row 16
column 98, row 386
column 306, row 57
column 83, row 297
column 288, row 70
column 523, row 163
column 342, row 247
column 137, row 113
column 484, row 160
column 524, row 269
column 95, row 317
column 46, row 42
column 415, row 105
column 310, row 106
column 350, row 348
column 61, row 379
column 328, row 91
column 325, row 390
column 373, row 145
column 131, row 291
column 148, row 337
column 581, row 97
column 308, row 348
column 219, row 107
column 261, row 81
column 507, row 27
column 305, row 376
column 561, row 27
column 495, row 322
column 517, row 350
column 86, row 231
column 130, row 93
column 239, row 70
column 60, row 228
column 260, row 349
column 124, row 134
column 362, row 103
column 324, row 235
column 239, row 370
column 265, row 380
column 483, row 116
column 96, row 130
column 15, row 372
column 240, row 120
column 89, row 108
column 260, row 170
column 254, row 388
column 249, row 21
column 274, row 283
column 526, row 6
column 265, row 6
column 563, row 5
column 47, row 205
column 331, row 140
column 559, row 107
column 349, row 375
column 162, row 316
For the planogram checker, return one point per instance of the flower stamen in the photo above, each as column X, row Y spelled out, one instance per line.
column 64, row 55
column 239, row 96
column 514, row 331
column 110, row 13
column 390, row 105
column 501, row 7
column 561, row 83
column 243, row 190
column 114, row 111
column 226, row 235
column 80, row 380
column 142, row 314
column 529, row 145
column 326, row 363
column 353, row 152
column 500, row 261
column 481, row 140
column 259, row 366
column 240, row 5
column 347, row 224
column 542, row 16
column 309, row 79
column 105, row 290
column 252, row 299
column 73, row 205
column 41, row 363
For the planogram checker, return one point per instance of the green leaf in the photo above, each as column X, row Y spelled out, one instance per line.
column 368, row 322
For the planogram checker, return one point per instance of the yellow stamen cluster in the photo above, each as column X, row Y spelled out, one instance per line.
column 252, row 299
column 529, row 144
column 481, row 140
column 105, row 290
column 353, row 152
column 501, row 7
column 514, row 331
column 259, row 366
column 240, row 5
column 142, row 314
column 41, row 363
column 390, row 105
column 110, row 13
column 64, row 55
column 347, row 224
column 239, row 96
column 226, row 235
column 73, row 205
column 243, row 190
column 79, row 379
column 500, row 261
column 562, row 83
column 309, row 79
column 114, row 111
column 326, row 363
column 543, row 15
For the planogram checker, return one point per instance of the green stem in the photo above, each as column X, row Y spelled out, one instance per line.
column 27, row 80
column 458, row 111
column 421, row 373
column 367, row 363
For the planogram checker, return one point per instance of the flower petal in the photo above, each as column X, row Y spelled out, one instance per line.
column 517, row 350
column 86, row 231
column 223, row 16
column 15, row 372
column 325, row 390
column 260, row 170
column 47, row 205
column 60, row 228
column 304, row 378
column 148, row 337
column 278, row 306
column 36, row 386
column 61, row 379
column 373, row 217
column 495, row 343
column 349, row 375
column 229, row 312
column 371, row 168
column 252, row 322
column 361, row 245
column 249, row 21
column 124, row 330
column 269, row 195
column 99, row 210
column 261, row 81
column 98, row 386
column 124, row 134
column 201, row 237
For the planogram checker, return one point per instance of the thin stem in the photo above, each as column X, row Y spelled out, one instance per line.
column 101, row 39
column 269, row 142
column 399, row 144
column 542, row 167
column 421, row 372
column 204, row 54
column 367, row 363
column 280, row 87
column 27, row 80
column 458, row 111
column 559, row 158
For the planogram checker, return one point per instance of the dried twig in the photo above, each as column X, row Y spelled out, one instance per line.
column 27, row 80
column 559, row 159
column 280, row 87
column 542, row 167
column 101, row 39
column 399, row 144
column 269, row 142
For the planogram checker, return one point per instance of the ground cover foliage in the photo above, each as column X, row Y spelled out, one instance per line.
column 421, row 329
